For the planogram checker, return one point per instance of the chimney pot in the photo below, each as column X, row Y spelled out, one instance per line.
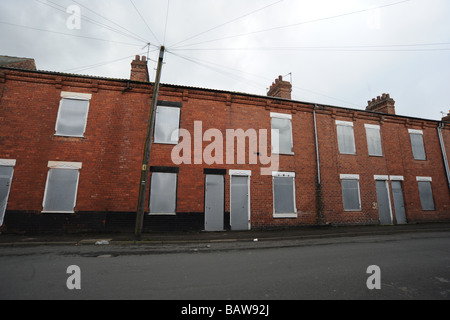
column 280, row 89
column 139, row 69
column 382, row 104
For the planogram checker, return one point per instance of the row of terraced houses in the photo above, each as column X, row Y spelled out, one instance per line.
column 71, row 151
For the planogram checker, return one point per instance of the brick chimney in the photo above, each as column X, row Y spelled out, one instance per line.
column 446, row 118
column 383, row 104
column 139, row 69
column 280, row 89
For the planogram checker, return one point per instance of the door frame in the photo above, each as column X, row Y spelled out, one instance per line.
column 386, row 181
column 212, row 172
column 241, row 173
column 400, row 179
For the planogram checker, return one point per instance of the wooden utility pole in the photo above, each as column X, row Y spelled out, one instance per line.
column 147, row 150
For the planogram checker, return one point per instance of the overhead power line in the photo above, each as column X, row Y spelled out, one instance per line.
column 388, row 47
column 294, row 24
column 100, row 64
column 232, row 73
column 68, row 34
column 89, row 20
column 228, row 22
column 145, row 22
column 167, row 19
column 107, row 19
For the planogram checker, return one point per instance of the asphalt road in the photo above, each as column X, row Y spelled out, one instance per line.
column 412, row 266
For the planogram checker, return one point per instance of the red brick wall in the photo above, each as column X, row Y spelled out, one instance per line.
column 111, row 151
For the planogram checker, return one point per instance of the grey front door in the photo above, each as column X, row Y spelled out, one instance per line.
column 239, row 215
column 384, row 207
column 6, row 174
column 214, row 202
column 399, row 203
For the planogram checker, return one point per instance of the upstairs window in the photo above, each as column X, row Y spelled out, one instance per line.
column 167, row 123
column 417, row 145
column 346, row 138
column 61, row 188
column 374, row 140
column 282, row 141
column 72, row 114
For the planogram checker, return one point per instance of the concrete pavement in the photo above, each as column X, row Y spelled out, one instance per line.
column 307, row 232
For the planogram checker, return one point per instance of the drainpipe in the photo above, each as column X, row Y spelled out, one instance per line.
column 319, row 204
column 444, row 154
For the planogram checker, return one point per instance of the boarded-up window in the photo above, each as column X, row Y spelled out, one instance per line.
column 426, row 194
column 284, row 194
column 6, row 174
column 167, row 125
column 282, row 142
column 163, row 193
column 350, row 192
column 417, row 144
column 374, row 140
column 72, row 117
column 346, row 138
column 61, row 189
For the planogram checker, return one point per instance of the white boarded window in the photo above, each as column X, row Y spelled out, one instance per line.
column 61, row 187
column 417, row 144
column 426, row 193
column 6, row 175
column 284, row 195
column 167, row 125
column 72, row 114
column 350, row 192
column 282, row 141
column 346, row 137
column 374, row 140
column 163, row 193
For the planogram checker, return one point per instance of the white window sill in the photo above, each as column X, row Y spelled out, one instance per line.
column 284, row 154
column 62, row 212
column 168, row 143
column 67, row 136
column 162, row 214
column 284, row 215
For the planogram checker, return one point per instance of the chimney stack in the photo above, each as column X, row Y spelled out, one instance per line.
column 446, row 118
column 139, row 69
column 383, row 104
column 280, row 89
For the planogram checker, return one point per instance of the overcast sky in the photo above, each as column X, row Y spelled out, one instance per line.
column 340, row 53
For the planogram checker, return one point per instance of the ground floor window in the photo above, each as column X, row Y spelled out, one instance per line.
column 426, row 193
column 284, row 195
column 6, row 175
column 163, row 193
column 350, row 192
column 61, row 187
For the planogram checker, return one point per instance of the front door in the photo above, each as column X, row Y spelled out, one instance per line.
column 6, row 174
column 239, row 203
column 399, row 203
column 214, row 202
column 384, row 205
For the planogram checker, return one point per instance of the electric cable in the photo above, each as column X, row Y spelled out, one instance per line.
column 295, row 24
column 226, row 23
column 145, row 22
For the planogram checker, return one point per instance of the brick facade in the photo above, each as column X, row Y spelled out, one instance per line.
column 111, row 153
